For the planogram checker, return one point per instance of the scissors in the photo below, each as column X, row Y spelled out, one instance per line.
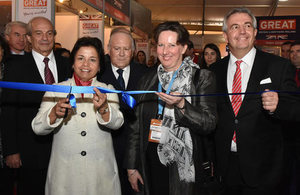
column 68, row 96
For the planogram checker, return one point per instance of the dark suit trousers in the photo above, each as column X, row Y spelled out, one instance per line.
column 235, row 185
column 291, row 177
column 32, row 181
column 7, row 177
column 119, row 142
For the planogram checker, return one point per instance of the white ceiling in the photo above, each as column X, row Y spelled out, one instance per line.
column 190, row 12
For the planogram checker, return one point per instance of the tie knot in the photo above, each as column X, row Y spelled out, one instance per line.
column 120, row 71
column 238, row 63
column 46, row 60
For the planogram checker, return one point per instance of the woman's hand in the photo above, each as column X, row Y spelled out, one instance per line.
column 101, row 104
column 172, row 100
column 58, row 111
column 134, row 177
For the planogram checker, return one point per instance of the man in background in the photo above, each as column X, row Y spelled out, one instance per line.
column 190, row 52
column 295, row 55
column 285, row 49
column 15, row 34
column 124, row 74
column 291, row 178
column 23, row 149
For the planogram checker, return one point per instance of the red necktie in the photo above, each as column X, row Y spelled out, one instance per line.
column 236, row 100
column 49, row 79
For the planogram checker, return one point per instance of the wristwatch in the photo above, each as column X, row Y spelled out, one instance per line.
column 103, row 111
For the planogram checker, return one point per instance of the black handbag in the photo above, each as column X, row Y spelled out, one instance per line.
column 210, row 180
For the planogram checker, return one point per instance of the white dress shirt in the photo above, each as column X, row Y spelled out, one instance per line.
column 14, row 53
column 246, row 67
column 126, row 73
column 38, row 58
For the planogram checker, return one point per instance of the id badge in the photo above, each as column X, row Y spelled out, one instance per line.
column 155, row 131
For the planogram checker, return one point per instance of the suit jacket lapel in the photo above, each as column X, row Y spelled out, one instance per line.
column 33, row 69
column 131, row 80
column 259, row 71
column 109, row 77
column 59, row 69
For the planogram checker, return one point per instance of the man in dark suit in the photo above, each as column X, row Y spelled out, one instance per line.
column 249, row 142
column 121, row 48
column 291, row 179
column 22, row 148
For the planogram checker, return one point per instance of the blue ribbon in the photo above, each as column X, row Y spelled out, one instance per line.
column 126, row 95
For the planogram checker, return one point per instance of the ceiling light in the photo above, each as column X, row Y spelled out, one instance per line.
column 194, row 32
column 283, row 0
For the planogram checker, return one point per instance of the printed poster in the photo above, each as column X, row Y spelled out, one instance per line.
column 91, row 25
column 27, row 9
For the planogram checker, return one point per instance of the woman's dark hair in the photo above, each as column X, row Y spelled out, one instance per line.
column 89, row 42
column 213, row 47
column 137, row 57
column 183, row 34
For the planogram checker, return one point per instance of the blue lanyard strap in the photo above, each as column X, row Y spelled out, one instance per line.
column 160, row 103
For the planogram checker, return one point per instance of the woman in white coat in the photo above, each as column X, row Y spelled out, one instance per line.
column 82, row 160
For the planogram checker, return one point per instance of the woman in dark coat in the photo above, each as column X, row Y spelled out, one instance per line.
column 167, row 159
column 6, row 174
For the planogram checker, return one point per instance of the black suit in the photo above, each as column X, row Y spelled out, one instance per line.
column 18, row 109
column 120, row 136
column 259, row 136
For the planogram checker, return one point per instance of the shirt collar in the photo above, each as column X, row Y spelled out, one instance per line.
column 41, row 57
column 14, row 53
column 126, row 69
column 248, row 59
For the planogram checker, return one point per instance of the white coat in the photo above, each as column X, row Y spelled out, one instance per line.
column 82, row 159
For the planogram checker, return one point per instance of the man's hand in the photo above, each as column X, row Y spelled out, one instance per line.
column 270, row 100
column 13, row 161
column 134, row 177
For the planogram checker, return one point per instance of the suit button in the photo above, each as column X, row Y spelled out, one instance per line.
column 83, row 153
column 83, row 133
column 236, row 121
column 83, row 114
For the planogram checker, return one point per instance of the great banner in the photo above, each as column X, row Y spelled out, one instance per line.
column 274, row 30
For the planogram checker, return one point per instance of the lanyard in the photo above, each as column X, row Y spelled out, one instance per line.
column 160, row 106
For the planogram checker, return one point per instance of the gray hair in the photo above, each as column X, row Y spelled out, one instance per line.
column 124, row 31
column 29, row 25
column 238, row 10
column 9, row 26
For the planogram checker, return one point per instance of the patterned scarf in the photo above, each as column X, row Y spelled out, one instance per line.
column 177, row 145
